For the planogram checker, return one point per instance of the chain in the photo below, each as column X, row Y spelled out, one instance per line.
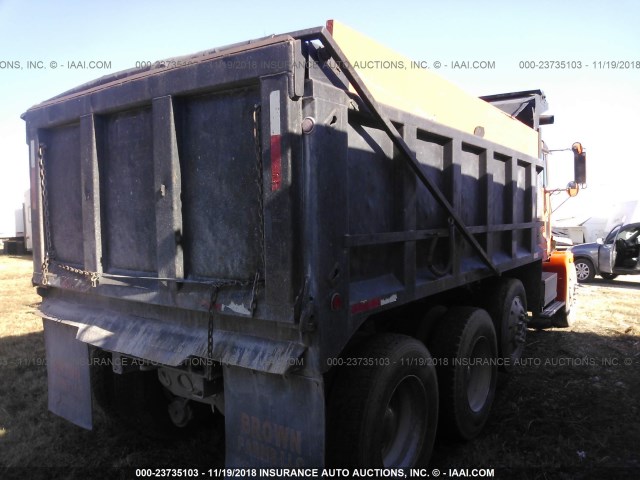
column 257, row 110
column 259, row 181
column 215, row 288
column 49, row 253
column 212, row 307
column 93, row 276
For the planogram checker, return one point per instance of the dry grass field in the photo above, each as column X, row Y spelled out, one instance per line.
column 570, row 411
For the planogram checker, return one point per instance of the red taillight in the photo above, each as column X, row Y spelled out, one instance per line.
column 336, row 302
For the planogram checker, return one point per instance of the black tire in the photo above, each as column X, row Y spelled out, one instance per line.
column 428, row 321
column 585, row 270
column 608, row 276
column 506, row 303
column 384, row 411
column 464, row 349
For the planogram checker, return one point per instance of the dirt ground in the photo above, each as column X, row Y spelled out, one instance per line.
column 570, row 410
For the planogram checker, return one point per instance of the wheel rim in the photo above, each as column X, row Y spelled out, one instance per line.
column 517, row 327
column 479, row 373
column 404, row 424
column 582, row 270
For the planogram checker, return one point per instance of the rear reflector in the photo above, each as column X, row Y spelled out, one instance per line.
column 276, row 145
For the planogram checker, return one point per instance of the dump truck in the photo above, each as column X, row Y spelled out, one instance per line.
column 336, row 258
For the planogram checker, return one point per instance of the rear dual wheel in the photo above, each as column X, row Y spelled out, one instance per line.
column 465, row 350
column 383, row 411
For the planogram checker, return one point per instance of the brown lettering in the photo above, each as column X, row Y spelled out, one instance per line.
column 268, row 433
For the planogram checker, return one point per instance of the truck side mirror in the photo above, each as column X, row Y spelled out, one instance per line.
column 579, row 163
column 572, row 189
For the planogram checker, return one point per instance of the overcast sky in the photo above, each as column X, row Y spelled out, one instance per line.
column 595, row 104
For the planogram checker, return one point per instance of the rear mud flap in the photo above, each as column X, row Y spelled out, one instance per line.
column 273, row 420
column 68, row 375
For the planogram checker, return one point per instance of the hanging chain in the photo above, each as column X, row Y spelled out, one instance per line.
column 215, row 289
column 212, row 307
column 49, row 253
column 48, row 250
column 92, row 276
column 257, row 110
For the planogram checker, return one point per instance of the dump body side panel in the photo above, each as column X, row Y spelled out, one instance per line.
column 398, row 245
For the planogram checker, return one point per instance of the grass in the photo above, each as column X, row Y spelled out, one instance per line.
column 37, row 444
column 18, row 300
column 571, row 412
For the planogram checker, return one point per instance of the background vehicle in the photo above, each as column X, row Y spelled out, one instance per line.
column 16, row 239
column 618, row 254
column 249, row 229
